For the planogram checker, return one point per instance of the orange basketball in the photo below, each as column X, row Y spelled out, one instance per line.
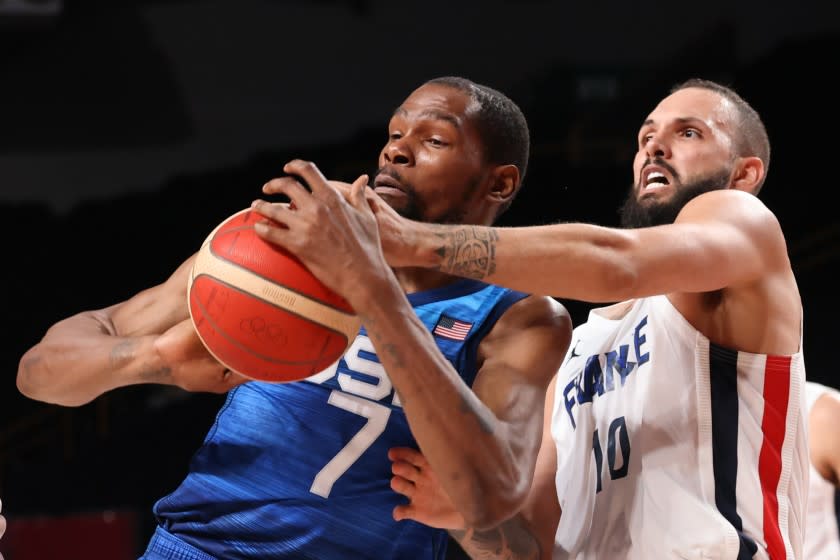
column 259, row 311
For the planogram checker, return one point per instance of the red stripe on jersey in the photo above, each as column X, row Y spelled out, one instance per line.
column 773, row 424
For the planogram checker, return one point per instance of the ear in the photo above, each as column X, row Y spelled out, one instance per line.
column 749, row 174
column 504, row 183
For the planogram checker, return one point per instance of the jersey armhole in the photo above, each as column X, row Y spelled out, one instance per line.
column 468, row 363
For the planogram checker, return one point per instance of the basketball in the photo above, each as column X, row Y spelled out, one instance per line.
column 259, row 311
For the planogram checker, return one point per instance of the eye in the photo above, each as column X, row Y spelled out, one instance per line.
column 394, row 136
column 436, row 142
column 691, row 133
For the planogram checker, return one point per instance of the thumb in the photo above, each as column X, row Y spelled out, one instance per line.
column 357, row 192
column 401, row 513
column 373, row 199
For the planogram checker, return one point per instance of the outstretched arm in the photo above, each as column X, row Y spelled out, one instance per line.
column 721, row 238
column 482, row 444
column 146, row 339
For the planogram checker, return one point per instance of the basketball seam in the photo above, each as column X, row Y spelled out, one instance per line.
column 217, row 329
column 271, row 303
column 209, row 244
column 333, row 318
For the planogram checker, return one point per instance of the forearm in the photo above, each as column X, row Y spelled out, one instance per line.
column 512, row 540
column 577, row 261
column 78, row 360
column 461, row 438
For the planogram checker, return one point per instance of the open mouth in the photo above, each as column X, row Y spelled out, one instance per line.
column 653, row 179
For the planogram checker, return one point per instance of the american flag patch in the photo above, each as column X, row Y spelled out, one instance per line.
column 447, row 327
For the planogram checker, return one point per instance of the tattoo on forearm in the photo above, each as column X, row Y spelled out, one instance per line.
column 468, row 251
column 394, row 351
column 512, row 540
column 389, row 348
column 122, row 352
column 30, row 363
column 159, row 375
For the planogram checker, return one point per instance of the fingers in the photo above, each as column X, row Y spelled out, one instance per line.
column 290, row 187
column 357, row 192
column 405, row 470
column 408, row 455
column 279, row 216
column 373, row 199
column 310, row 173
column 402, row 486
column 403, row 512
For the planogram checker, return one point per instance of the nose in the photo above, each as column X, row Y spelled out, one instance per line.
column 398, row 152
column 656, row 147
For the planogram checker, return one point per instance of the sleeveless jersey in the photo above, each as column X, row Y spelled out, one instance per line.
column 822, row 539
column 300, row 470
column 669, row 446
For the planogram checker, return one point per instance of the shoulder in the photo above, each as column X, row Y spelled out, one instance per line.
column 538, row 323
column 823, row 436
column 732, row 206
column 536, row 311
column 826, row 408
column 738, row 215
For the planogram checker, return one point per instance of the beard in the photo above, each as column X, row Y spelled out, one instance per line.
column 638, row 213
column 414, row 208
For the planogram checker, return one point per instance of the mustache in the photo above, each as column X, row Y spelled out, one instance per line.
column 390, row 172
column 661, row 163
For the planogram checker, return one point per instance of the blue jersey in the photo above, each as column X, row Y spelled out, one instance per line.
column 300, row 470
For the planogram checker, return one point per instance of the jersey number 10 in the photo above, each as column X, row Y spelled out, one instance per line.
column 616, row 431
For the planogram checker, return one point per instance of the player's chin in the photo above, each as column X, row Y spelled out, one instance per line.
column 395, row 198
column 655, row 195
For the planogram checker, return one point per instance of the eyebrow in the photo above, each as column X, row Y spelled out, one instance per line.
column 433, row 114
column 680, row 120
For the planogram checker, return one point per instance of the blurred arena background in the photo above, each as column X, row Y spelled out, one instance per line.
column 129, row 129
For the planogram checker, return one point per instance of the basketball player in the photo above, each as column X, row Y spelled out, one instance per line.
column 301, row 470
column 822, row 541
column 678, row 417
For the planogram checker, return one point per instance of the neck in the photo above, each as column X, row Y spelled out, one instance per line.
column 420, row 279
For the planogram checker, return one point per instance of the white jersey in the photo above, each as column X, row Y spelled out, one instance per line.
column 822, row 539
column 669, row 446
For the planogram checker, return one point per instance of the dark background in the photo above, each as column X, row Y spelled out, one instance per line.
column 129, row 129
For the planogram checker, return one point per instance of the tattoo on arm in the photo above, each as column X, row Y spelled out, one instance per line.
column 389, row 348
column 123, row 351
column 468, row 251
column 512, row 540
column 159, row 375
column 396, row 353
column 29, row 364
